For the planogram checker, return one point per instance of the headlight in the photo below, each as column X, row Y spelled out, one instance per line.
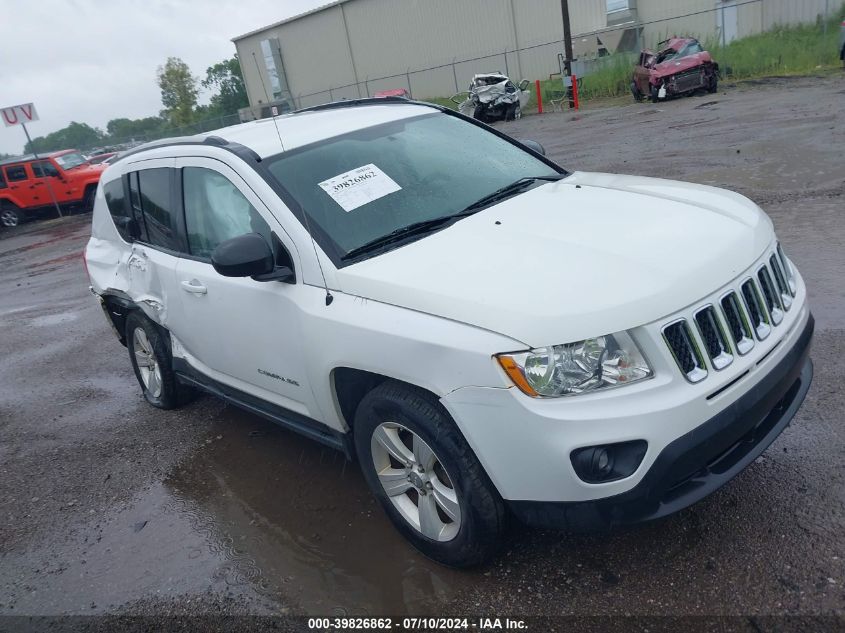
column 573, row 368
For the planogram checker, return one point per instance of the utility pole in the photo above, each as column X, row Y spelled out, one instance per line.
column 567, row 48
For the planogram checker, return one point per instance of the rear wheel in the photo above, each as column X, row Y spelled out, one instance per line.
column 152, row 362
column 426, row 477
column 9, row 215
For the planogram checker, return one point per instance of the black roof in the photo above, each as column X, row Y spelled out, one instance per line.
column 25, row 159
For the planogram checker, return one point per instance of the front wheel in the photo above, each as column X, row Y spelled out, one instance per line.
column 426, row 477
column 655, row 94
column 713, row 85
column 9, row 217
column 635, row 90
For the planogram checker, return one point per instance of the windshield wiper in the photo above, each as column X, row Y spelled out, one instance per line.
column 509, row 190
column 427, row 226
column 424, row 226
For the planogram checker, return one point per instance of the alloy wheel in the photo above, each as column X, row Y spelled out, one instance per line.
column 147, row 363
column 415, row 481
column 8, row 218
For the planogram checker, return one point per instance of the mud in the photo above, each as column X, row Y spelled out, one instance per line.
column 110, row 506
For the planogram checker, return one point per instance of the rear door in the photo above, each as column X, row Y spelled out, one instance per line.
column 47, row 184
column 20, row 186
column 237, row 331
column 151, row 260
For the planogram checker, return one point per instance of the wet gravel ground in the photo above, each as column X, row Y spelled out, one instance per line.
column 108, row 506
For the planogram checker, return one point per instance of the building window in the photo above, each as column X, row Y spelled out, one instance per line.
column 619, row 5
column 273, row 63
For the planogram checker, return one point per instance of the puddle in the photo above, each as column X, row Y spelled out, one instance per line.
column 296, row 520
column 256, row 513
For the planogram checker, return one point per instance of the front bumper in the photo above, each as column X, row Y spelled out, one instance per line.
column 699, row 462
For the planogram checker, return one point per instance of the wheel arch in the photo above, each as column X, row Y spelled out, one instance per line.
column 350, row 385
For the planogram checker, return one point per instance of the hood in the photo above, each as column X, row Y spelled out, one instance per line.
column 674, row 66
column 588, row 255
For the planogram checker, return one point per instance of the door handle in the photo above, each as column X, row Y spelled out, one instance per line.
column 194, row 287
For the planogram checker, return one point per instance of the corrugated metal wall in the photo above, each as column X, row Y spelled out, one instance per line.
column 347, row 50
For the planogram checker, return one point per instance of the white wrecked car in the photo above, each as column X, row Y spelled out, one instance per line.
column 493, row 97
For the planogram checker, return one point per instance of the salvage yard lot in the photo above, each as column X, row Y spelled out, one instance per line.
column 110, row 506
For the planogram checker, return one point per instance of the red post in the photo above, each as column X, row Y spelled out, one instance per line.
column 539, row 98
column 575, row 90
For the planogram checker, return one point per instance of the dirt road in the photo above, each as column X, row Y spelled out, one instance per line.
column 110, row 506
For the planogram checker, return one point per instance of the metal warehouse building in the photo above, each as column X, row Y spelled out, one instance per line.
column 353, row 48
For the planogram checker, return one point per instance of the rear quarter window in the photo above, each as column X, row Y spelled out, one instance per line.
column 119, row 210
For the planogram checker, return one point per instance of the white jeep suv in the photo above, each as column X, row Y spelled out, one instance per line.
column 489, row 335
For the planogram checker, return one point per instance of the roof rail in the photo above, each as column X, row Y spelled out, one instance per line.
column 351, row 103
column 241, row 151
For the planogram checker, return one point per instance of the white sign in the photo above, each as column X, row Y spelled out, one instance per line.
column 358, row 187
column 16, row 115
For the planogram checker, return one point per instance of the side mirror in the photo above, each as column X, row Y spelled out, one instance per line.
column 523, row 85
column 243, row 256
column 533, row 146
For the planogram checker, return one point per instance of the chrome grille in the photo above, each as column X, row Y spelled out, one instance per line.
column 685, row 350
column 714, row 338
column 756, row 310
column 719, row 331
column 780, row 281
column 787, row 270
column 771, row 297
column 741, row 332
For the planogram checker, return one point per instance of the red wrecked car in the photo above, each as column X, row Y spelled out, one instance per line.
column 681, row 66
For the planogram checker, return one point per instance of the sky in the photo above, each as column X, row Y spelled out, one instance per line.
column 95, row 60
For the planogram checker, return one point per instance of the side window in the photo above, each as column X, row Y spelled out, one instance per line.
column 120, row 212
column 16, row 173
column 216, row 211
column 135, row 206
column 44, row 168
column 2, row 180
column 156, row 203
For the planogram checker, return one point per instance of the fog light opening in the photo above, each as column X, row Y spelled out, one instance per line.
column 608, row 462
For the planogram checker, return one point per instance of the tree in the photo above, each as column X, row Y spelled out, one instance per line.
column 123, row 129
column 74, row 136
column 227, row 83
column 179, row 91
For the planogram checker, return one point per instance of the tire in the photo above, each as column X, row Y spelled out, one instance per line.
column 514, row 112
column 146, row 342
column 478, row 113
column 9, row 215
column 713, row 85
column 655, row 92
column 88, row 200
column 465, row 521
column 638, row 96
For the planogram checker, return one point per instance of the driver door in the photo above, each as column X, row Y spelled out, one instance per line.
column 240, row 332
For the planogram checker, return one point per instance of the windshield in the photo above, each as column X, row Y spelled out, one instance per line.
column 367, row 184
column 69, row 161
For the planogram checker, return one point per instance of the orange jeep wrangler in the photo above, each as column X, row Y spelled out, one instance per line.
column 25, row 184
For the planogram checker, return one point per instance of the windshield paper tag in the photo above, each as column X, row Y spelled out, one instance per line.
column 358, row 187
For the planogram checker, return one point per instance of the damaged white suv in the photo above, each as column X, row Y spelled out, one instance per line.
column 490, row 335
